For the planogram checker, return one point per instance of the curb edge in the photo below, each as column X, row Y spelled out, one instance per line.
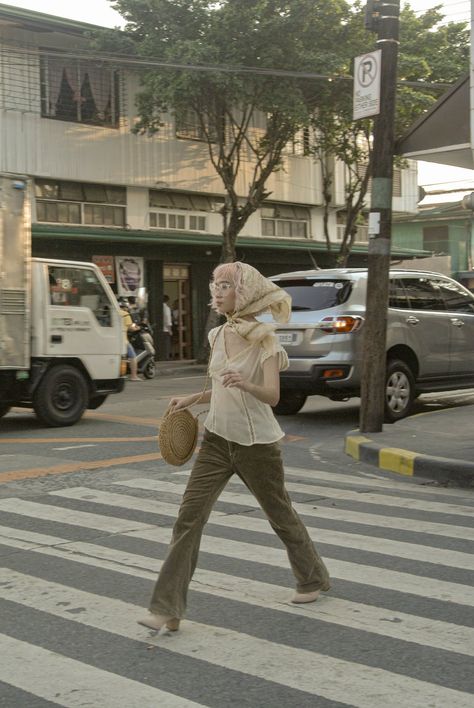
column 407, row 462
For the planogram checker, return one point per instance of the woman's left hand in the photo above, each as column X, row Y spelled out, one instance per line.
column 233, row 379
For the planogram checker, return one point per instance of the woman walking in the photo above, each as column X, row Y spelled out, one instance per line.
column 241, row 437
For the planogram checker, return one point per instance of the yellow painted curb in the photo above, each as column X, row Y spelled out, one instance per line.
column 395, row 459
column 353, row 443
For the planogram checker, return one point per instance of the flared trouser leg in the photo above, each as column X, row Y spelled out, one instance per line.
column 261, row 469
column 210, row 474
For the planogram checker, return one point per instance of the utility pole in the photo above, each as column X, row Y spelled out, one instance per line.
column 384, row 17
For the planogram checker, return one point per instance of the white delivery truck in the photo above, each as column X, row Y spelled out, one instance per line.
column 62, row 347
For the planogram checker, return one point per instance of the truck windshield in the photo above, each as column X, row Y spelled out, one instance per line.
column 316, row 294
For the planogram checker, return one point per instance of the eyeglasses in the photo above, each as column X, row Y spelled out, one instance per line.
column 223, row 287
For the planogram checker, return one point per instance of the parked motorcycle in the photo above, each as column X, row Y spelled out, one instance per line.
column 142, row 342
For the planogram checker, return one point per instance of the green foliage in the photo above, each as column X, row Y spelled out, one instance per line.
column 430, row 53
column 247, row 118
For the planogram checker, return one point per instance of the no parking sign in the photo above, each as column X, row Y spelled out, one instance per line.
column 367, row 73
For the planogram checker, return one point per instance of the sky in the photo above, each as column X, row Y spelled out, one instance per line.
column 100, row 12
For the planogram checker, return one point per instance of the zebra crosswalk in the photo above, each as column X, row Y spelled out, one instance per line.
column 396, row 629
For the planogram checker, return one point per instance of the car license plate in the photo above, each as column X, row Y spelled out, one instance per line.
column 286, row 337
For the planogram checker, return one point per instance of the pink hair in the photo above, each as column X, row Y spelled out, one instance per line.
column 233, row 273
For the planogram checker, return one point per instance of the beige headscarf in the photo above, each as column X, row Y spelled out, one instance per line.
column 256, row 295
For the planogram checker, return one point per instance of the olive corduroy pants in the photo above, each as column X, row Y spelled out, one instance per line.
column 260, row 467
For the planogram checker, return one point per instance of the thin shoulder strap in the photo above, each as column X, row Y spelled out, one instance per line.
column 208, row 365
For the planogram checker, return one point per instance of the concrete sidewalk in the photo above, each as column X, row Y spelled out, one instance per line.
column 436, row 445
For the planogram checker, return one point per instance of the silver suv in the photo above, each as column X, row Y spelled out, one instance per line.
column 430, row 337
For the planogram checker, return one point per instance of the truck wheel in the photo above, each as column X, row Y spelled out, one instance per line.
column 61, row 397
column 399, row 390
column 150, row 370
column 4, row 408
column 290, row 402
column 96, row 402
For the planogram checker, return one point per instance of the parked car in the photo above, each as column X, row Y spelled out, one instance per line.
column 430, row 337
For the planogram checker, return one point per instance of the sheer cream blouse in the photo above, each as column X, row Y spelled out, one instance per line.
column 236, row 415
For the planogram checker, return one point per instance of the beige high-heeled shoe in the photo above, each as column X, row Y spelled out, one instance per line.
column 156, row 622
column 301, row 597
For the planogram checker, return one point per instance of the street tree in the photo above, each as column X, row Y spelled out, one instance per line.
column 245, row 118
column 431, row 53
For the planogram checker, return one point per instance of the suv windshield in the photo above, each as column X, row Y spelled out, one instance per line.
column 314, row 294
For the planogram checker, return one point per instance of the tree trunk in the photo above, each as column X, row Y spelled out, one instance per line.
column 228, row 255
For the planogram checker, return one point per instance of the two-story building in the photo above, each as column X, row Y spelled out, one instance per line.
column 146, row 209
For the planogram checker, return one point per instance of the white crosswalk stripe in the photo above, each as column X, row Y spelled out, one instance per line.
column 442, row 635
column 239, row 651
column 30, row 668
column 414, row 551
column 355, row 572
column 73, row 556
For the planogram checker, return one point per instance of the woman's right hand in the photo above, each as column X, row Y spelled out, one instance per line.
column 179, row 402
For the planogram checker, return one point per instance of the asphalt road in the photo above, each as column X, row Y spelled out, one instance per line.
column 85, row 517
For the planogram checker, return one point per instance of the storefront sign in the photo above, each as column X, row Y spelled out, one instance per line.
column 106, row 265
column 129, row 275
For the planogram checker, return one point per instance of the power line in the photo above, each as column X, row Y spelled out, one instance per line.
column 127, row 61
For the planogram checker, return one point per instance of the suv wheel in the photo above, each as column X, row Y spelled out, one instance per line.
column 290, row 402
column 399, row 390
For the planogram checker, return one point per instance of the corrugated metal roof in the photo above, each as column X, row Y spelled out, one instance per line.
column 40, row 20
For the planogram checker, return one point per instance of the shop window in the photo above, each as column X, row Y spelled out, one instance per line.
column 436, row 239
column 191, row 222
column 77, row 203
column 197, row 223
column 362, row 233
column 174, row 201
column 285, row 221
column 79, row 91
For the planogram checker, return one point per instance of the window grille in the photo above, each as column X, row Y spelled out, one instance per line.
column 188, row 126
column 79, row 91
column 31, row 81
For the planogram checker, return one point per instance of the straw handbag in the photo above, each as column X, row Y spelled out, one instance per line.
column 178, row 434
column 177, row 437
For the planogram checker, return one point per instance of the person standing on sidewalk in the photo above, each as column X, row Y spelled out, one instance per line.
column 128, row 326
column 241, row 437
column 167, row 327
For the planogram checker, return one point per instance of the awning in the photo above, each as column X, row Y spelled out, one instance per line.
column 185, row 238
column 442, row 134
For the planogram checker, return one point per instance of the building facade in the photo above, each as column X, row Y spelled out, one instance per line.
column 144, row 207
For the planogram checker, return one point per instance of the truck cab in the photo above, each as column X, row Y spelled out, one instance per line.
column 62, row 347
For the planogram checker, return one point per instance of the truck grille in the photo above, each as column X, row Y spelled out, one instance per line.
column 13, row 302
